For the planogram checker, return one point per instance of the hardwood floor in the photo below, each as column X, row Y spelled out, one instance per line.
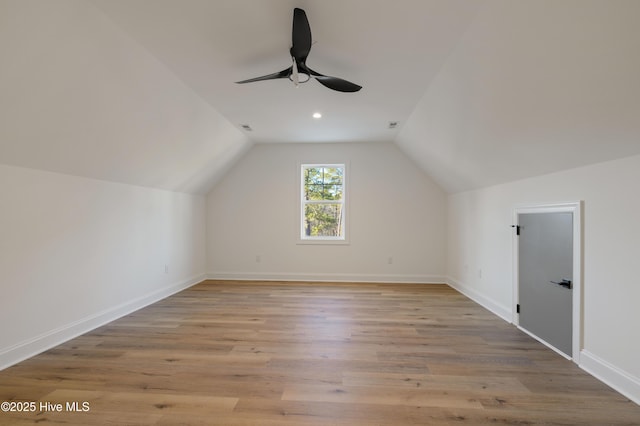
column 251, row 353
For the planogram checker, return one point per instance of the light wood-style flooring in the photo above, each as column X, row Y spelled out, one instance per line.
column 269, row 353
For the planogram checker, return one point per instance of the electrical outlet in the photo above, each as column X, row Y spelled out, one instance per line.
column 258, row 258
column 390, row 260
column 166, row 269
column 479, row 273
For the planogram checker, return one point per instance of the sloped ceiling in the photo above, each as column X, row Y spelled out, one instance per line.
column 532, row 88
column 142, row 92
column 78, row 96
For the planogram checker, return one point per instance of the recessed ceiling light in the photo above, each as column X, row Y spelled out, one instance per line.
column 317, row 115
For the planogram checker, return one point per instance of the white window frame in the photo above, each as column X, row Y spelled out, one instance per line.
column 301, row 237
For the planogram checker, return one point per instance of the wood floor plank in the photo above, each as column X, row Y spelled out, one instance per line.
column 377, row 395
column 478, row 385
column 311, row 354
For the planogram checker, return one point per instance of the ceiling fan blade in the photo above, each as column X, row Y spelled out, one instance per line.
column 301, row 37
column 338, row 84
column 334, row 83
column 282, row 74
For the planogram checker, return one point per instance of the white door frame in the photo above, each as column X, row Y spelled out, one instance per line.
column 575, row 208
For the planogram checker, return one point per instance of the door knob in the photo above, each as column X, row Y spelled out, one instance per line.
column 563, row 283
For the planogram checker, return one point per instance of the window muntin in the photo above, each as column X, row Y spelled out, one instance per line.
column 322, row 206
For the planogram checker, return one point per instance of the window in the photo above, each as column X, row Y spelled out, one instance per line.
column 322, row 203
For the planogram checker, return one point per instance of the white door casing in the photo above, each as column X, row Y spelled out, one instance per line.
column 575, row 209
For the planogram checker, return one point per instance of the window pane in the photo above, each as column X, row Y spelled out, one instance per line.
column 314, row 175
column 323, row 183
column 333, row 192
column 314, row 192
column 333, row 175
column 323, row 220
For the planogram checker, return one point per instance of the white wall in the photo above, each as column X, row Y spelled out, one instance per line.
column 395, row 210
column 480, row 238
column 76, row 253
column 81, row 98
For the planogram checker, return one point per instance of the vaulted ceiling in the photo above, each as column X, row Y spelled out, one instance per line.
column 485, row 92
column 391, row 48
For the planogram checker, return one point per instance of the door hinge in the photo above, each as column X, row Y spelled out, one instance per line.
column 518, row 308
column 517, row 229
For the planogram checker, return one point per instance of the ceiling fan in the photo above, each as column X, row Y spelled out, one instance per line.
column 301, row 45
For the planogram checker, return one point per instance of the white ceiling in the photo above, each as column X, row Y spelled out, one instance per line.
column 485, row 91
column 391, row 48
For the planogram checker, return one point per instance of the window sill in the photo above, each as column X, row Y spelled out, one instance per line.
column 324, row 241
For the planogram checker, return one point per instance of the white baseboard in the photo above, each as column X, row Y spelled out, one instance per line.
column 490, row 304
column 38, row 344
column 611, row 375
column 288, row 276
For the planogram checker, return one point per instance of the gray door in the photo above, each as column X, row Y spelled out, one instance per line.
column 545, row 277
